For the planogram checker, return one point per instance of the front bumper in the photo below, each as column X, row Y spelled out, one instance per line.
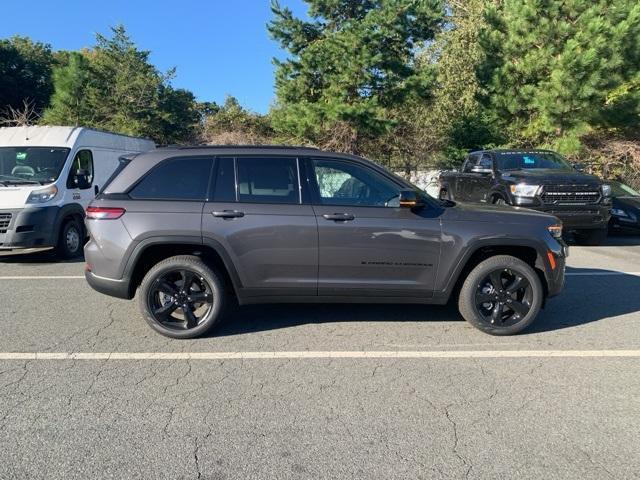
column 28, row 228
column 556, row 276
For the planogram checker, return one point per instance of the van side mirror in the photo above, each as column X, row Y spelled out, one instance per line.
column 81, row 180
column 410, row 199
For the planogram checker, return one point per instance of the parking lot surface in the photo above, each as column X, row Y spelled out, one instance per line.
column 320, row 391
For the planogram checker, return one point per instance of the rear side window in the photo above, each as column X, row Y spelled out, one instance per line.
column 175, row 179
column 268, row 180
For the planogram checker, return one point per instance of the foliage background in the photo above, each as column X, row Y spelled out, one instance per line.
column 412, row 84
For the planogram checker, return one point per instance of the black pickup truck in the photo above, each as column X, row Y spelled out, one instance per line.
column 537, row 179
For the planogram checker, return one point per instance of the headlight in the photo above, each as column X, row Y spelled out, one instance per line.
column 43, row 195
column 555, row 230
column 606, row 190
column 524, row 190
column 618, row 212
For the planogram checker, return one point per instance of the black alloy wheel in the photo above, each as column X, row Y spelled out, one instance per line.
column 503, row 297
column 182, row 297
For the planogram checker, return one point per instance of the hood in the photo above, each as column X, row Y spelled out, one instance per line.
column 15, row 196
column 627, row 203
column 497, row 214
column 550, row 176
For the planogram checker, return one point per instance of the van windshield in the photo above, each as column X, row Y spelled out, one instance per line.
column 27, row 165
column 530, row 160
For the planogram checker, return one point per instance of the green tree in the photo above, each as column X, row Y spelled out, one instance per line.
column 115, row 87
column 69, row 104
column 25, row 73
column 348, row 67
column 554, row 67
column 231, row 123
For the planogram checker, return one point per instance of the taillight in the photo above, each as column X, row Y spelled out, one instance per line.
column 104, row 213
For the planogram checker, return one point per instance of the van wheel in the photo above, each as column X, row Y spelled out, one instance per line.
column 591, row 238
column 501, row 296
column 181, row 297
column 71, row 239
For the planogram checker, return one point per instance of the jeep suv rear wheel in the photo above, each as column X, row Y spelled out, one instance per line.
column 181, row 297
column 501, row 296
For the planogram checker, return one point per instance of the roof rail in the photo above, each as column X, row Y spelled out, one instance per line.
column 274, row 147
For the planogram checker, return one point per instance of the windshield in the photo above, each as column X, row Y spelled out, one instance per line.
column 621, row 190
column 530, row 160
column 27, row 165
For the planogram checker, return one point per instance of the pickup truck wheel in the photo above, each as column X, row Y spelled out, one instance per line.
column 501, row 296
column 499, row 201
column 591, row 238
column 181, row 297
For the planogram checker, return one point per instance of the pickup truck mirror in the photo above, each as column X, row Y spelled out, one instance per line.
column 578, row 167
column 410, row 199
column 481, row 170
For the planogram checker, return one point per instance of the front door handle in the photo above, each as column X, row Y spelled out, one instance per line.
column 228, row 214
column 339, row 217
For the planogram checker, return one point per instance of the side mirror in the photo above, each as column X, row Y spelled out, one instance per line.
column 578, row 167
column 81, row 180
column 410, row 199
column 481, row 170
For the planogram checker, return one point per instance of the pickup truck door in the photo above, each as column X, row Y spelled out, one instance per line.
column 483, row 181
column 368, row 245
column 466, row 180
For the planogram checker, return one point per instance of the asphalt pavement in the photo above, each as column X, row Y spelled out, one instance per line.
column 320, row 391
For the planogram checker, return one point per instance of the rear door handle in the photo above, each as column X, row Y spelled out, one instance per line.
column 339, row 217
column 228, row 214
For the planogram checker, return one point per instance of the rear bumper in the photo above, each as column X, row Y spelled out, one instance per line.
column 29, row 228
column 108, row 286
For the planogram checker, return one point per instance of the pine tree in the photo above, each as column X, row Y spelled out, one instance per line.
column 69, row 104
column 348, row 66
column 553, row 67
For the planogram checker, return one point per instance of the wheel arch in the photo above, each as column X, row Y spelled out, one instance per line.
column 153, row 250
column 73, row 211
column 528, row 252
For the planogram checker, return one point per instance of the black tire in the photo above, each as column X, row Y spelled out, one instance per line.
column 509, row 319
column 70, row 239
column 591, row 238
column 499, row 201
column 443, row 194
column 162, row 310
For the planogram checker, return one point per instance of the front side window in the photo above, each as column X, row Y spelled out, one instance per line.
column 344, row 183
column 175, row 179
column 24, row 165
column 268, row 180
column 81, row 172
column 471, row 162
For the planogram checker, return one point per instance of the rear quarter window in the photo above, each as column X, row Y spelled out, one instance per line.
column 185, row 178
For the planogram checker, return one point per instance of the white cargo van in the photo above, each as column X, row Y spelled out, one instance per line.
column 48, row 175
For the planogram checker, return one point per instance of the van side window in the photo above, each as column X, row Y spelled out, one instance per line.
column 81, row 172
column 175, row 179
column 268, row 180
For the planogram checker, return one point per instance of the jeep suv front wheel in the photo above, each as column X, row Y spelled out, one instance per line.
column 181, row 297
column 501, row 296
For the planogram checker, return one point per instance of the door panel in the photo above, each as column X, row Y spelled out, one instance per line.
column 382, row 251
column 274, row 248
column 368, row 245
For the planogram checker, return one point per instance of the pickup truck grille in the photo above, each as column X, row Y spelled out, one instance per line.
column 5, row 220
column 570, row 194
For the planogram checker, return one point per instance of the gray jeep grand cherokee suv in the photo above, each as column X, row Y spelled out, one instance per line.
column 190, row 227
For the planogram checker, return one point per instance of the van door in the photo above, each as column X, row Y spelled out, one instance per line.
column 256, row 215
column 80, row 181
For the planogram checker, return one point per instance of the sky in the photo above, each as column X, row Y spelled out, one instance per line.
column 219, row 47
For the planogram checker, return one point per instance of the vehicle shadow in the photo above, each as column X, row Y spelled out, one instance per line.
column 46, row 256
column 583, row 301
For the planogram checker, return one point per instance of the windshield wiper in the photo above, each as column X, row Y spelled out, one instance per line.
column 11, row 180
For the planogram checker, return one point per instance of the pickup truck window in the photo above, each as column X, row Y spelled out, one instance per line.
column 470, row 163
column 530, row 160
